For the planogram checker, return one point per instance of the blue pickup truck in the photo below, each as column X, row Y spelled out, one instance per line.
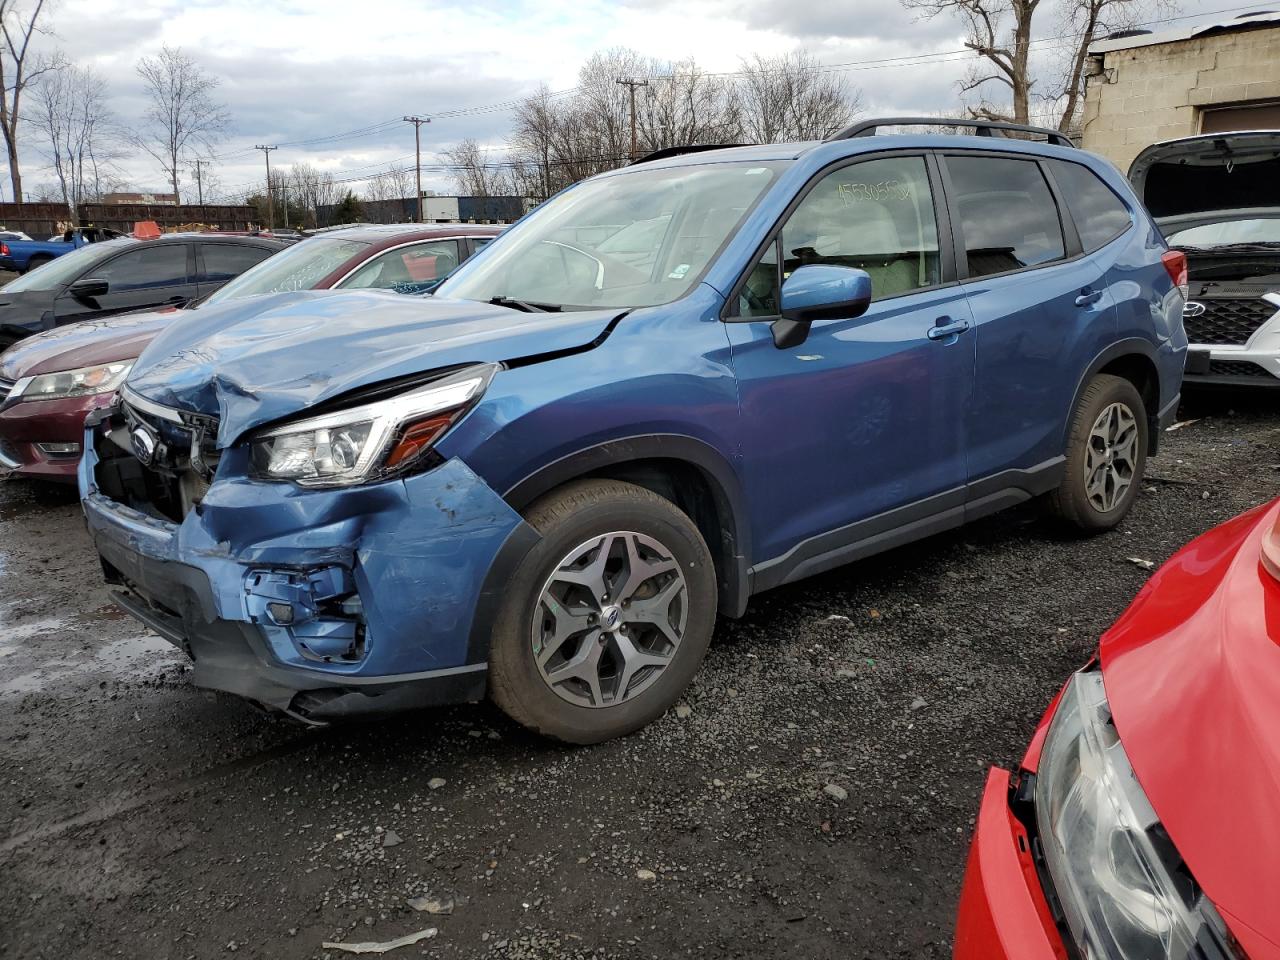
column 23, row 255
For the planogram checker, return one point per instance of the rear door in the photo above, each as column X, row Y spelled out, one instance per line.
column 218, row 262
column 1042, row 310
column 146, row 276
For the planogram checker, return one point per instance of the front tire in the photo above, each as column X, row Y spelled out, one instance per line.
column 1106, row 456
column 608, row 618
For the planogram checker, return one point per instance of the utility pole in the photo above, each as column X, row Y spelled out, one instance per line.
column 631, row 83
column 417, row 152
column 271, row 214
column 199, row 180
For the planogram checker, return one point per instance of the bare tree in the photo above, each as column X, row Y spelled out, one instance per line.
column 790, row 98
column 558, row 140
column 1085, row 21
column 182, row 115
column 20, row 66
column 474, row 173
column 71, row 112
column 313, row 189
column 999, row 32
column 683, row 105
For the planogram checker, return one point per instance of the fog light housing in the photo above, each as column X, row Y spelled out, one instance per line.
column 281, row 613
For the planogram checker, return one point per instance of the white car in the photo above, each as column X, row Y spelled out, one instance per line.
column 1217, row 198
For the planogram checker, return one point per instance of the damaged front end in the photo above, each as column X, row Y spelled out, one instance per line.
column 316, row 585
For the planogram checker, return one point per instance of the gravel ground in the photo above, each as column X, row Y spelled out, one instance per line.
column 815, row 799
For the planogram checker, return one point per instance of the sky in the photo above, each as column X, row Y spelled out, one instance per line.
column 328, row 81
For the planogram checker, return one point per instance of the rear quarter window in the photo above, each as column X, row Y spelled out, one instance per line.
column 1100, row 216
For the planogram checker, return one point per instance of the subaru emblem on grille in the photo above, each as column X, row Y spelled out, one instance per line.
column 144, row 445
column 1193, row 309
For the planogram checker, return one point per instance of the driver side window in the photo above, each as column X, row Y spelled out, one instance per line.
column 876, row 215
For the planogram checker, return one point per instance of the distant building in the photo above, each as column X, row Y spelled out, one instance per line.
column 160, row 199
column 1144, row 87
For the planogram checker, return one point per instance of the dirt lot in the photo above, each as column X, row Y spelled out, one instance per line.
column 147, row 819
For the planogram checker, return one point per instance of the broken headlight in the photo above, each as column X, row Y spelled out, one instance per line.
column 366, row 442
column 1120, row 882
column 83, row 382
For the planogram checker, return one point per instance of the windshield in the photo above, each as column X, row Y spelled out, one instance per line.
column 57, row 273
column 635, row 239
column 1251, row 230
column 299, row 267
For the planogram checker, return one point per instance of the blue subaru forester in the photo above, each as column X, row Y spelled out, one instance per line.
column 670, row 387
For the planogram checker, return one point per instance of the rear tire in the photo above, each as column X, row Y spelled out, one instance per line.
column 1106, row 457
column 36, row 262
column 607, row 620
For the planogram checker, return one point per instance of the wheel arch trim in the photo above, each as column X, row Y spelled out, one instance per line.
column 710, row 463
column 1133, row 346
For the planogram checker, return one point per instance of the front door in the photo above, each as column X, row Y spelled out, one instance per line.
column 859, row 430
column 146, row 276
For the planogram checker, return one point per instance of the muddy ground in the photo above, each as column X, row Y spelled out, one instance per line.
column 146, row 819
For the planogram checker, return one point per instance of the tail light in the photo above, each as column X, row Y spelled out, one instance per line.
column 1175, row 262
column 4, row 250
column 1271, row 550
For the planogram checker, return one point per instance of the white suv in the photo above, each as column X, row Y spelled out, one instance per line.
column 1217, row 198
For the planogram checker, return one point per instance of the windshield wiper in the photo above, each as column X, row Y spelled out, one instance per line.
column 528, row 306
column 1257, row 246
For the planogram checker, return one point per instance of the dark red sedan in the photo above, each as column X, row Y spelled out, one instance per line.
column 1144, row 821
column 49, row 382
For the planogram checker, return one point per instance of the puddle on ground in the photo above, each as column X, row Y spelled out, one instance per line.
column 132, row 658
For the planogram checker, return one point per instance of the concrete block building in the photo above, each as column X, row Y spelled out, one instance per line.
column 1144, row 86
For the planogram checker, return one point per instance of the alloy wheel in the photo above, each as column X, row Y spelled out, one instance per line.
column 1111, row 457
column 609, row 619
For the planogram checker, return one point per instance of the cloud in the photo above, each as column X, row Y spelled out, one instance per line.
column 304, row 70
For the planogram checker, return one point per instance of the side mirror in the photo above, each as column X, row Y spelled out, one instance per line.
column 88, row 289
column 819, row 292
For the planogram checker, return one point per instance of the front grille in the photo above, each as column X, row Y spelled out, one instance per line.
column 1236, row 368
column 1228, row 321
column 171, row 482
column 6, row 386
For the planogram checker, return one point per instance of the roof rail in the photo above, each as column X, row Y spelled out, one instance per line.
column 680, row 151
column 982, row 128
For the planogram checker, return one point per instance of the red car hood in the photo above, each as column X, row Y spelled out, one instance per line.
column 1192, row 672
column 84, row 344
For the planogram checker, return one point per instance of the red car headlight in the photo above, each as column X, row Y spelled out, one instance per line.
column 1271, row 550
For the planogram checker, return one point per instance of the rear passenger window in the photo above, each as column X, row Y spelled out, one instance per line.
column 1008, row 219
column 222, row 261
column 1098, row 213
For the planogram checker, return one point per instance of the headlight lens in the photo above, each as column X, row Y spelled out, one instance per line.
column 1104, row 847
column 369, row 441
column 84, row 382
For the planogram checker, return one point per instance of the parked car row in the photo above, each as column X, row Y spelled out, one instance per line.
column 49, row 382
column 680, row 384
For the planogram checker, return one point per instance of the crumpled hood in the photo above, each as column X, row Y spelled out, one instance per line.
column 84, row 344
column 254, row 361
column 1192, row 673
